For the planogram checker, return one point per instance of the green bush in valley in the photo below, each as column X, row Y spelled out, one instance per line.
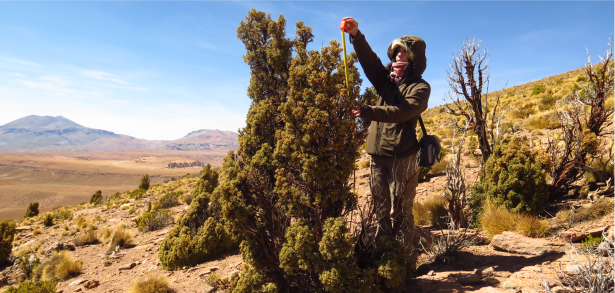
column 199, row 234
column 154, row 220
column 514, row 177
column 32, row 210
column 96, row 197
column 7, row 234
column 33, row 286
column 144, row 182
column 287, row 190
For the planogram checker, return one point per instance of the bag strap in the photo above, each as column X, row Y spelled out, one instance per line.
column 423, row 126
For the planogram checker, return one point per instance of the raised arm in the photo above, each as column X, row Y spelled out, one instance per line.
column 372, row 66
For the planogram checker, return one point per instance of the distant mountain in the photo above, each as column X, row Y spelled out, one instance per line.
column 58, row 134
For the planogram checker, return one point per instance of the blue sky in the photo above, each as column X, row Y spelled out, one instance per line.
column 158, row 70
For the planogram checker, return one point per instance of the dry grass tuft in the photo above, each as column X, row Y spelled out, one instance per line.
column 105, row 233
column 497, row 219
column 86, row 238
column 363, row 164
column 421, row 214
column 437, row 212
column 60, row 266
column 151, row 283
column 121, row 238
column 532, row 226
column 583, row 214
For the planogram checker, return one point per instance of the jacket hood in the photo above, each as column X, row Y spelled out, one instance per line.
column 418, row 60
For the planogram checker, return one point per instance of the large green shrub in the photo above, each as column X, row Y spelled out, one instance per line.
column 7, row 233
column 32, row 210
column 287, row 188
column 199, row 234
column 514, row 177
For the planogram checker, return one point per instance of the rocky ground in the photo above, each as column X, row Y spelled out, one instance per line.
column 509, row 262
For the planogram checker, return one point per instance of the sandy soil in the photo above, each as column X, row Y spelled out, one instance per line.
column 57, row 179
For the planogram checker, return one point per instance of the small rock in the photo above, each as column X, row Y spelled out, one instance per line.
column 191, row 270
column 364, row 175
column 203, row 275
column 492, row 281
column 58, row 246
column 127, row 266
column 561, row 289
column 210, row 290
column 232, row 272
column 23, row 228
column 469, row 279
column 79, row 290
column 431, row 273
column 184, row 268
column 77, row 282
column 213, row 268
column 91, row 284
column 485, row 271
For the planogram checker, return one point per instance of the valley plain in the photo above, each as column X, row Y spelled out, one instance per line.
column 69, row 178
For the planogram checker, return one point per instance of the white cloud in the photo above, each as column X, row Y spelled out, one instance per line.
column 57, row 89
column 102, row 76
column 208, row 46
column 56, row 80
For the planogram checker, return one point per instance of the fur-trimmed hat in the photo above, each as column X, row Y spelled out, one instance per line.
column 396, row 44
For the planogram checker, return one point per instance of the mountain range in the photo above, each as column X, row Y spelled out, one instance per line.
column 59, row 134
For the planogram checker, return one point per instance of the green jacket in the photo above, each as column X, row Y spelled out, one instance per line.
column 394, row 117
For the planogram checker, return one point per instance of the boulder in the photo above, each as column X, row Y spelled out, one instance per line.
column 469, row 279
column 516, row 243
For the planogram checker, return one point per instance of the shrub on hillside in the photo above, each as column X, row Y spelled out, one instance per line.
column 514, row 177
column 59, row 267
column 199, row 234
column 168, row 200
column 144, row 182
column 137, row 193
column 154, row 220
column 538, row 89
column 32, row 210
column 7, row 235
column 96, row 197
column 48, row 220
column 33, row 286
column 86, row 238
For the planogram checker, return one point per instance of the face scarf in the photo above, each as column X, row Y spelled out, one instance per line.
column 398, row 70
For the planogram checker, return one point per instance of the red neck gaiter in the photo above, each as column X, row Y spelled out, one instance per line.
column 398, row 70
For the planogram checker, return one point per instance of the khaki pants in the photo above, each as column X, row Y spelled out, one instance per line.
column 389, row 178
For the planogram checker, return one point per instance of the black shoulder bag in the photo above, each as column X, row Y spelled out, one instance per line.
column 429, row 148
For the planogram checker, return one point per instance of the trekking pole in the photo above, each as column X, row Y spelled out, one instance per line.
column 344, row 27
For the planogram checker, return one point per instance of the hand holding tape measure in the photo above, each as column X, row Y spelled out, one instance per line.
column 351, row 26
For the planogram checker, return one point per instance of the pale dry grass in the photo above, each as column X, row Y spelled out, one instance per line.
column 497, row 219
column 151, row 283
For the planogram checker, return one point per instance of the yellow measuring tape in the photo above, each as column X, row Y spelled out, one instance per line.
column 343, row 27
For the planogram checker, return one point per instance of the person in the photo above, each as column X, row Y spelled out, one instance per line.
column 391, row 139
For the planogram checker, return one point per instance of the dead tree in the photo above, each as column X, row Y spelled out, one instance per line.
column 468, row 79
column 594, row 94
column 584, row 118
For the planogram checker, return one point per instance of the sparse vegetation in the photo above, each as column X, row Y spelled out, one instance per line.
column 32, row 210
column 598, row 210
column 33, row 286
column 496, row 219
column 151, row 283
column 437, row 211
column 154, row 220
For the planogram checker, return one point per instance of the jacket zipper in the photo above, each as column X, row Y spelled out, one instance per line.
column 379, row 137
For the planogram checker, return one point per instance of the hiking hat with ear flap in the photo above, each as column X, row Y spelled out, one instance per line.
column 396, row 44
